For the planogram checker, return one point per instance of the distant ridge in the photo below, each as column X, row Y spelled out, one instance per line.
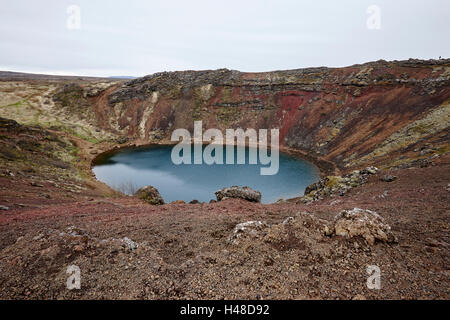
column 123, row 77
column 11, row 75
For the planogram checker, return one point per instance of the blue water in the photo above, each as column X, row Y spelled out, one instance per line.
column 130, row 169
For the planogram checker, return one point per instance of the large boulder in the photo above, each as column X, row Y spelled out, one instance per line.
column 245, row 193
column 364, row 223
column 150, row 195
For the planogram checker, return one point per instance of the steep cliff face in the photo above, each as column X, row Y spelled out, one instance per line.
column 345, row 115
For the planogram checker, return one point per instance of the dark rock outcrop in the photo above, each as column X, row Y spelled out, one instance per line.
column 150, row 195
column 245, row 193
column 337, row 185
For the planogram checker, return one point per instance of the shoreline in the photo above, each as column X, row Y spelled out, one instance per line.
column 324, row 167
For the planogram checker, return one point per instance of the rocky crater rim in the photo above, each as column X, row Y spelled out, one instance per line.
column 225, row 72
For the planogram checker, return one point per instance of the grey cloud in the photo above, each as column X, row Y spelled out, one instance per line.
column 142, row 37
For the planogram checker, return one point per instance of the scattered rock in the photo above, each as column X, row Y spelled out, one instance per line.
column 388, row 178
column 150, row 195
column 78, row 248
column 8, row 173
column 328, row 231
column 245, row 193
column 38, row 237
column 130, row 243
column 337, row 185
column 334, row 202
column 369, row 170
column 288, row 220
column 4, row 208
column 421, row 163
column 34, row 184
column 364, row 223
column 122, row 140
column 76, row 232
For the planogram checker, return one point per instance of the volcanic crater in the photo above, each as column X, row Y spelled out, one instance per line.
column 377, row 131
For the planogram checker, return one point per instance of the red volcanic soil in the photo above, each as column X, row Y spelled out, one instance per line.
column 184, row 249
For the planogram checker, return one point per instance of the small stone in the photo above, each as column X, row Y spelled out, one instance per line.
column 34, row 184
column 130, row 243
column 388, row 178
column 78, row 248
column 328, row 231
column 357, row 93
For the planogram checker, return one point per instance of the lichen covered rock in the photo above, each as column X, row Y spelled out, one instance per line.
column 363, row 223
column 245, row 193
column 150, row 195
column 248, row 230
column 337, row 185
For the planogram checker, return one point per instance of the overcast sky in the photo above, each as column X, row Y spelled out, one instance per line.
column 136, row 38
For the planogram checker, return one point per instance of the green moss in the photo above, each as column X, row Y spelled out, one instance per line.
column 18, row 104
column 77, row 131
column 197, row 110
column 73, row 150
column 227, row 95
column 443, row 150
column 420, row 129
column 174, row 92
